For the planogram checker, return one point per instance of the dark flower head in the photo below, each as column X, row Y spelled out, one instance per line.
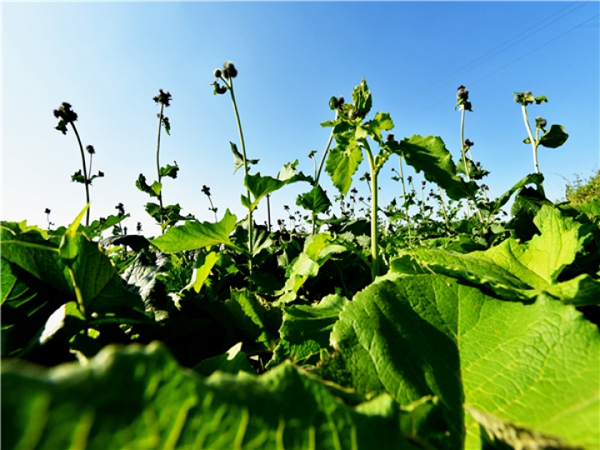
column 217, row 73
column 47, row 211
column 65, row 115
column 339, row 102
column 462, row 93
column 121, row 209
column 90, row 149
column 541, row 122
column 163, row 97
column 409, row 178
column 206, row 190
column 423, row 183
column 139, row 227
column 229, row 70
column 469, row 143
column 286, row 207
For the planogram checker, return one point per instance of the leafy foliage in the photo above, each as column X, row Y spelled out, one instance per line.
column 428, row 323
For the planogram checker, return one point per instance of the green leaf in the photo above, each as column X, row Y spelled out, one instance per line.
column 515, row 270
column 533, row 178
column 342, row 164
column 234, row 362
column 315, row 200
column 69, row 249
column 156, row 188
column 305, row 330
column 317, row 251
column 535, row 366
column 196, row 235
column 429, row 155
column 238, row 158
column 169, row 171
column 554, row 137
column 143, row 186
column 249, row 314
column 203, row 266
column 78, row 177
column 261, row 186
column 161, row 406
column 382, row 121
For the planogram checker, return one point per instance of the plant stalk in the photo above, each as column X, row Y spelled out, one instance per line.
column 374, row 228
column 242, row 143
column 85, row 175
column 160, row 199
column 534, row 143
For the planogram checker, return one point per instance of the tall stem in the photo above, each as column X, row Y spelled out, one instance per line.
column 318, row 172
column 409, row 226
column 242, row 143
column 374, row 229
column 85, row 175
column 160, row 199
column 533, row 141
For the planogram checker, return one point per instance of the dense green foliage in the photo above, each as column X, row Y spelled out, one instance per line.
column 426, row 323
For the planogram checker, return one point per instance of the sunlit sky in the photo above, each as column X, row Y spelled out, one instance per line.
column 110, row 59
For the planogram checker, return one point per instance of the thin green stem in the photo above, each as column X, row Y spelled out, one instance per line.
column 442, row 203
column 246, row 170
column 85, row 175
column 409, row 226
column 160, row 198
column 374, row 228
column 318, row 172
column 78, row 294
column 534, row 143
column 463, row 152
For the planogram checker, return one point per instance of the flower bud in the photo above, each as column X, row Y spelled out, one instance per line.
column 462, row 93
column 229, row 70
column 468, row 143
column 541, row 122
column 217, row 73
column 339, row 101
column 90, row 149
column 390, row 137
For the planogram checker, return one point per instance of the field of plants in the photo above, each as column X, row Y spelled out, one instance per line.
column 440, row 320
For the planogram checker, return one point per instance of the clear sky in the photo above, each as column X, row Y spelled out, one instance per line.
column 110, row 59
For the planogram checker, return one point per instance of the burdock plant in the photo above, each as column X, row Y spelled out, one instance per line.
column 552, row 138
column 66, row 117
column 226, row 76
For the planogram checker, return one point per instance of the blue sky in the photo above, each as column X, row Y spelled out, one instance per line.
column 110, row 59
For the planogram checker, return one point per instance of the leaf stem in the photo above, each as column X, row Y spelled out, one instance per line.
column 78, row 294
column 85, row 176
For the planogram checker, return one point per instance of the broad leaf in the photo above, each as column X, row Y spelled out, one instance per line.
column 429, row 155
column 305, row 330
column 342, row 164
column 138, row 397
column 534, row 366
column 196, row 235
column 554, row 137
column 315, row 200
column 234, row 361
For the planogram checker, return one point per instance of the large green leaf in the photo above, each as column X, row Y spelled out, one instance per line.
column 315, row 200
column 139, row 397
column 196, row 235
column 515, row 270
column 317, row 251
column 554, row 137
column 305, row 330
column 342, row 164
column 429, row 155
column 533, row 366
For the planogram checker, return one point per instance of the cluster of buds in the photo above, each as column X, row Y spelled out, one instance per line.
column 65, row 115
column 541, row 123
column 226, row 73
column 527, row 98
column 121, row 209
column 462, row 98
column 163, row 97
